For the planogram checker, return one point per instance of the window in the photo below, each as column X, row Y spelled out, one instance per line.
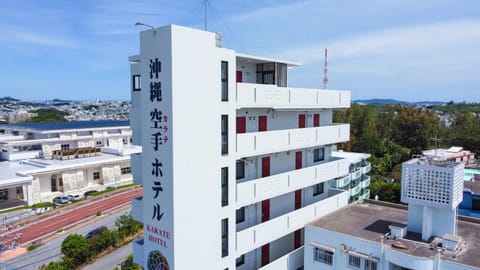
column 266, row 73
column 99, row 142
column 370, row 265
column 224, row 75
column 354, row 261
column 240, row 261
column 240, row 169
column 224, row 134
column 318, row 154
column 65, row 146
column 96, row 175
column 126, row 170
column 136, row 86
column 323, row 256
column 318, row 189
column 224, row 186
column 224, row 237
column 53, row 183
column 19, row 190
column 240, row 213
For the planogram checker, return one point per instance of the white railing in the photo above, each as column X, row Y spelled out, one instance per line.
column 137, row 209
column 355, row 190
column 365, row 181
column 290, row 261
column 367, row 168
column 356, row 174
column 366, row 194
column 273, row 229
column 257, row 143
column 138, row 250
column 268, row 187
column 342, row 182
column 251, row 95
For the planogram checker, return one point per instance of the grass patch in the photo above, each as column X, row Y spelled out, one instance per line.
column 37, row 205
column 112, row 189
column 32, row 247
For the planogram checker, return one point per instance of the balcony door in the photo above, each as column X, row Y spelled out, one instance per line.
column 241, row 124
column 265, row 211
column 298, row 200
column 262, row 123
column 301, row 121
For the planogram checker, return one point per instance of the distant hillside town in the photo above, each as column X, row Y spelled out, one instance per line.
column 17, row 111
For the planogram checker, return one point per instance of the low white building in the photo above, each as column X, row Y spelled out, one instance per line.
column 44, row 160
column 235, row 162
column 373, row 235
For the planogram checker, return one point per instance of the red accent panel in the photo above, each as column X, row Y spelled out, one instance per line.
column 316, row 120
column 301, row 120
column 241, row 124
column 265, row 254
column 265, row 166
column 298, row 199
column 239, row 76
column 265, row 210
column 298, row 238
column 298, row 160
column 262, row 123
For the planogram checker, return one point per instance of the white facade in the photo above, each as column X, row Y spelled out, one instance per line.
column 234, row 162
column 44, row 160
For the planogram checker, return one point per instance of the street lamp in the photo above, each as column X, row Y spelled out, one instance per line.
column 147, row 25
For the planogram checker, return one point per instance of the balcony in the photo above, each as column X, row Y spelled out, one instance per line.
column 365, row 181
column 138, row 249
column 366, row 194
column 258, row 143
column 137, row 209
column 354, row 191
column 290, row 261
column 268, row 231
column 342, row 182
column 366, row 169
column 268, row 187
column 251, row 95
column 356, row 174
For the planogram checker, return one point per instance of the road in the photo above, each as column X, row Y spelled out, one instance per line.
column 50, row 251
column 111, row 260
column 51, row 225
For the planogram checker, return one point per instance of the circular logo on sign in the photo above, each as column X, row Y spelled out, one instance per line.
column 156, row 261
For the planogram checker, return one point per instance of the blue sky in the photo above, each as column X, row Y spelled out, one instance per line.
column 406, row 49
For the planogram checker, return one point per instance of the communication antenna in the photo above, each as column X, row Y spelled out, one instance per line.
column 436, row 140
column 325, row 72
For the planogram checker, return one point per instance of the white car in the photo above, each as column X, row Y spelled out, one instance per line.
column 61, row 199
column 73, row 197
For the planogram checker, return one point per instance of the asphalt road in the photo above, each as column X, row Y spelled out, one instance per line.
column 50, row 251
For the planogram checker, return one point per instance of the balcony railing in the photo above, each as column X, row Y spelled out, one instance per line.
column 290, row 261
column 356, row 174
column 366, row 194
column 342, row 182
column 137, row 209
column 354, row 191
column 366, row 169
column 250, row 95
column 257, row 143
column 268, row 231
column 138, row 250
column 365, row 181
column 268, row 187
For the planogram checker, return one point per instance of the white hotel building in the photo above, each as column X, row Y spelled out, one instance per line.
column 234, row 162
column 39, row 161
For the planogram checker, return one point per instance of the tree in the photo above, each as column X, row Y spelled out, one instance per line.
column 127, row 225
column 75, row 247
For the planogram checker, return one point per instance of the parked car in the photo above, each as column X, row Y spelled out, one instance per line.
column 87, row 193
column 61, row 199
column 73, row 197
column 95, row 231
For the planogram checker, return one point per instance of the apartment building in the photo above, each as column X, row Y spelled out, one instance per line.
column 373, row 235
column 44, row 160
column 235, row 162
column 356, row 182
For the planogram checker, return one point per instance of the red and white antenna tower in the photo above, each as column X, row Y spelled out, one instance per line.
column 325, row 72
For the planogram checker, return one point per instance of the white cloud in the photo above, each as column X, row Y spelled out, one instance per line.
column 39, row 39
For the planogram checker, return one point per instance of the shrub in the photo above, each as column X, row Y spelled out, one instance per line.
column 75, row 248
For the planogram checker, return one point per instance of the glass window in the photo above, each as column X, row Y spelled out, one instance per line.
column 240, row 213
column 224, row 237
column 65, row 146
column 96, row 175
column 224, row 76
column 370, row 265
column 240, row 169
column 224, row 134
column 136, row 83
column 318, row 189
column 126, row 170
column 318, row 154
column 240, row 260
column 323, row 256
column 224, row 186
column 354, row 261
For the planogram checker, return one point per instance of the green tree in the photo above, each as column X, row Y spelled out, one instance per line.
column 127, row 225
column 75, row 247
